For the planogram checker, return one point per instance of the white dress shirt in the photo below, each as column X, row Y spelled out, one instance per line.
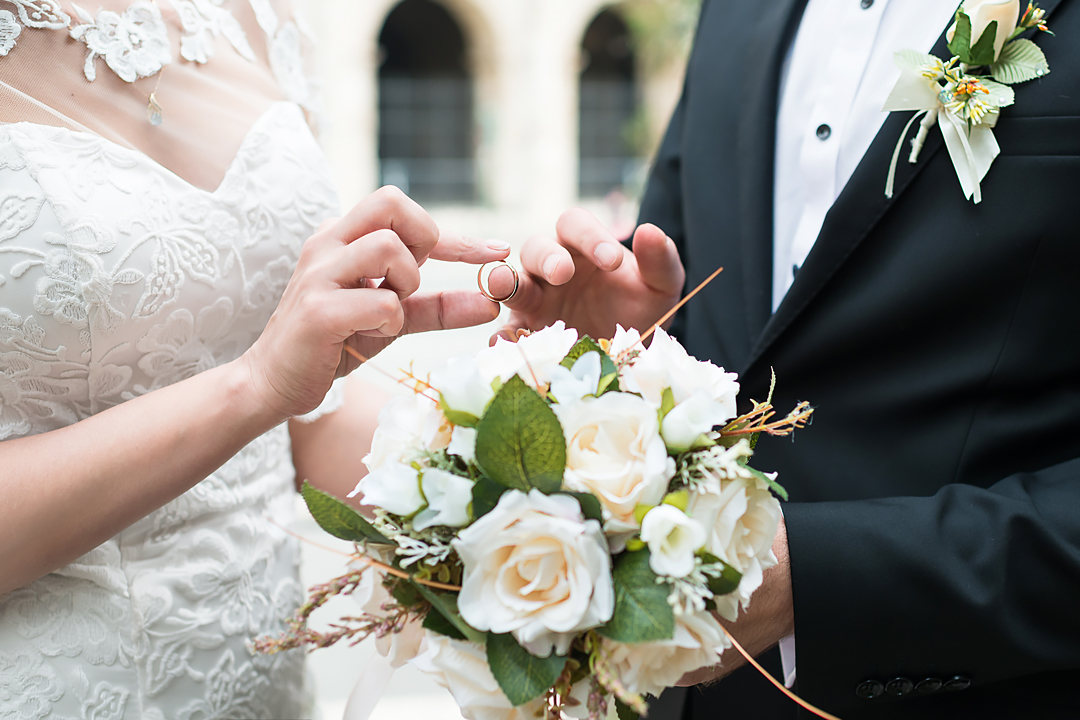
column 836, row 76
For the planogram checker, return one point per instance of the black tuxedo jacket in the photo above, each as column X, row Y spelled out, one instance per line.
column 934, row 522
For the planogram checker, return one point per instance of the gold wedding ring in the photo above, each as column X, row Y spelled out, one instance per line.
column 484, row 283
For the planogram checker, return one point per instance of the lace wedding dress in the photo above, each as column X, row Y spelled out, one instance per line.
column 120, row 274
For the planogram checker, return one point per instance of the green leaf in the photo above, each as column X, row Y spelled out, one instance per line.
column 776, row 487
column 521, row 675
column 519, row 442
column 609, row 373
column 1020, row 61
column 729, row 580
column 1000, row 95
column 445, row 604
column 590, row 505
column 485, row 496
column 405, row 592
column 960, row 45
column 458, row 417
column 642, row 612
column 338, row 519
column 436, row 622
column 982, row 52
column 624, row 711
column 667, row 403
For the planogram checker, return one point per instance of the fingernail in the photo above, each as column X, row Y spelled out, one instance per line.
column 498, row 245
column 606, row 254
column 550, row 266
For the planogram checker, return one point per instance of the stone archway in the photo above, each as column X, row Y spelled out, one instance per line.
column 608, row 107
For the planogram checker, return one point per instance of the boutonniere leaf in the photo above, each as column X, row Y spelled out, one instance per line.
column 1020, row 61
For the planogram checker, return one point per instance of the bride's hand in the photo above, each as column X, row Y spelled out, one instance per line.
column 354, row 283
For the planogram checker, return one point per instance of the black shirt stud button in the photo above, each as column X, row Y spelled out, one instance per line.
column 869, row 689
column 958, row 683
column 928, row 686
column 899, row 687
column 866, row 4
column 823, row 132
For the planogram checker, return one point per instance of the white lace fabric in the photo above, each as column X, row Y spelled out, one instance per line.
column 131, row 257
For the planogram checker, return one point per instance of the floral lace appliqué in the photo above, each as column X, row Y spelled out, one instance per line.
column 9, row 31
column 203, row 22
column 135, row 43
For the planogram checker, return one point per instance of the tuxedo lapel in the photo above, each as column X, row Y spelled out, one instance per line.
column 758, row 101
column 861, row 205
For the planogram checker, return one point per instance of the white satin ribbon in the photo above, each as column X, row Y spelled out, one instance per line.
column 369, row 688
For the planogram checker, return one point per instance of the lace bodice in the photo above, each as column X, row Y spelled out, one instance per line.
column 117, row 277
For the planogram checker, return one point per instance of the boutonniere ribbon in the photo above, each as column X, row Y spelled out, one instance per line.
column 963, row 102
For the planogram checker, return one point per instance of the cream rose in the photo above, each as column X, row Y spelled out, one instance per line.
column 741, row 517
column 651, row 667
column 984, row 12
column 614, row 451
column 462, row 668
column 534, row 567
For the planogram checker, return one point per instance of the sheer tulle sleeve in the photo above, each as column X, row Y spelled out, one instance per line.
column 212, row 69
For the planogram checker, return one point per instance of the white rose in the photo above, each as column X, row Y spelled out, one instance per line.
column 741, row 518
column 408, row 424
column 583, row 379
column 673, row 540
column 984, row 12
column 534, row 567
column 394, row 487
column 463, row 387
column 614, row 451
column 651, row 667
column 448, row 497
column 533, row 357
column 666, row 364
column 462, row 668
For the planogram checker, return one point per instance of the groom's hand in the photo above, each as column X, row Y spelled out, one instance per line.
column 588, row 279
column 771, row 617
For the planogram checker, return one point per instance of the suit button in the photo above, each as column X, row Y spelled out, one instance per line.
column 928, row 686
column 957, row 683
column 869, row 689
column 899, row 687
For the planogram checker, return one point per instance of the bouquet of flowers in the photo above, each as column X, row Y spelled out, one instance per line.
column 555, row 523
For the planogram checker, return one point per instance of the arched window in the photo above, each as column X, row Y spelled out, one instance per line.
column 426, row 135
column 608, row 108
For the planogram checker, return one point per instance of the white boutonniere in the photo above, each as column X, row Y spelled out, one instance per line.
column 964, row 96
